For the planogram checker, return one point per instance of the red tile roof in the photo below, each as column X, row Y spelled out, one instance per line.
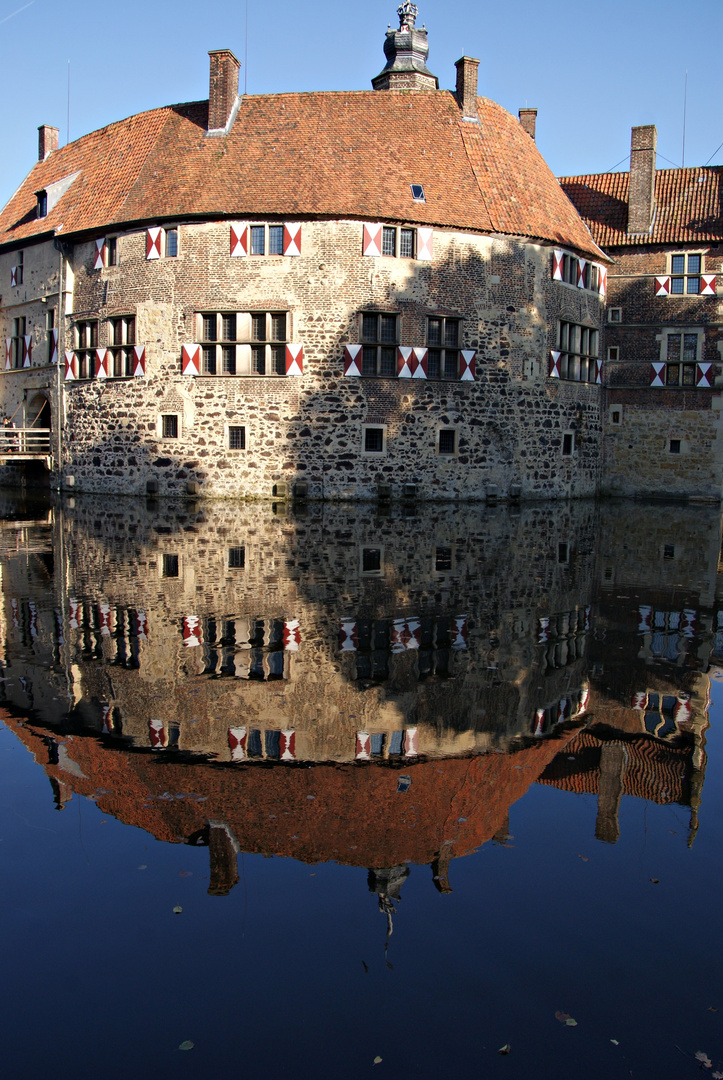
column 349, row 154
column 688, row 206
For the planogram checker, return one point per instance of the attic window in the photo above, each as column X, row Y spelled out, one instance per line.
column 42, row 197
column 418, row 193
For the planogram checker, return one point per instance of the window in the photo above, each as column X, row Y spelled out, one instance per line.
column 674, row 446
column 243, row 342
column 374, row 439
column 372, row 561
column 20, row 268
column 668, row 551
column 563, row 554
column 418, row 192
column 616, row 416
column 267, row 239
column 398, row 242
column 443, row 338
column 681, row 355
column 578, row 347
column 685, row 271
column 19, row 330
column 122, row 338
column 379, row 334
column 443, row 559
column 111, row 250
column 42, row 204
column 568, row 443
column 569, row 270
column 169, row 425
column 171, row 243
column 237, row 438
column 169, row 566
column 447, row 441
column 86, row 342
column 236, row 558
column 615, row 314
column 50, row 326
column 613, row 352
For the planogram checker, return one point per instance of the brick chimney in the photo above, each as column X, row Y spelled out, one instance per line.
column 641, row 192
column 47, row 141
column 467, row 87
column 528, row 119
column 222, row 90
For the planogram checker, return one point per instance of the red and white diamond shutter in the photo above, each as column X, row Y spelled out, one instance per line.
column 598, row 371
column 554, row 371
column 27, row 350
column 581, row 264
column 8, row 353
column 291, row 635
column 411, row 742
column 139, row 360
column 557, row 257
column 157, row 734
column 348, row 638
column 372, row 240
column 363, row 746
column 404, row 354
column 53, row 346
column 544, row 631
column 237, row 737
column 583, row 700
column 294, row 359
column 287, row 745
column 292, row 239
column 191, row 359
column 646, row 616
column 639, row 701
column 468, row 358
column 13, row 275
column 141, row 625
column 73, row 613
column 99, row 261
column 352, row 360
column 602, row 280
column 153, row 243
column 71, row 366
column 707, row 285
column 657, row 372
column 683, row 711
column 662, row 285
column 239, row 240
column 425, row 243
column 191, row 631
column 539, row 725
column 106, row 619
column 418, row 363
column 102, row 363
column 703, row 375
column 459, row 632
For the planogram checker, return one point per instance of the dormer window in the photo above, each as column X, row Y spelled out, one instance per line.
column 42, row 205
column 418, row 193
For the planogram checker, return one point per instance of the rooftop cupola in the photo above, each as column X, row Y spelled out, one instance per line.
column 406, row 50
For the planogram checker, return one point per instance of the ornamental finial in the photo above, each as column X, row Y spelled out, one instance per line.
column 407, row 13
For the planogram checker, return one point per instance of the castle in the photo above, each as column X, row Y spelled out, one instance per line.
column 352, row 295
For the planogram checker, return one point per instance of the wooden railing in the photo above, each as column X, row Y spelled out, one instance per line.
column 25, row 442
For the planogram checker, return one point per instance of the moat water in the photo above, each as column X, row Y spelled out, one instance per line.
column 340, row 791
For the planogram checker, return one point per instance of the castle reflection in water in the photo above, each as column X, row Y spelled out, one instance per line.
column 366, row 685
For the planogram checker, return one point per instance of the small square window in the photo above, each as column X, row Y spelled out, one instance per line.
column 568, row 443
column 237, row 438
column 371, row 562
column 258, row 239
column 447, row 441
column 169, row 566
column 171, row 243
column 675, row 446
column 418, row 193
column 616, row 416
column 169, row 426
column 389, row 241
column 374, row 440
column 406, row 243
column 276, row 239
column 615, row 314
column 613, row 352
column 668, row 551
column 236, row 558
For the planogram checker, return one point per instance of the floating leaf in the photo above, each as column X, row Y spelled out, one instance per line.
column 377, row 1060
column 584, row 858
column 571, row 1023
column 562, row 1017
column 712, row 1008
column 143, row 867
column 615, row 1042
column 655, row 880
column 504, row 1049
column 177, row 909
column 703, row 1058
column 186, row 1045
column 717, row 1076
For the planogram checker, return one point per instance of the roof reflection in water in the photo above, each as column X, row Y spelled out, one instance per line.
column 352, row 685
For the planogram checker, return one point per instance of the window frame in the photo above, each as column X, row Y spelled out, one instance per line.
column 246, row 352
column 571, row 338
column 20, row 329
column 686, row 276
column 122, row 354
column 230, row 565
column 615, row 315
column 447, row 454
column 267, row 226
column 161, row 426
column 377, row 571
column 568, row 445
column 228, row 439
column 379, row 344
column 86, row 341
column 687, row 366
column 374, row 427
column 396, row 232
column 444, row 348
column 174, row 229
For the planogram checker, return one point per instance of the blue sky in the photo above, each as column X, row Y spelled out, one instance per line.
column 592, row 70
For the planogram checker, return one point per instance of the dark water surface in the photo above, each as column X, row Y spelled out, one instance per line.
column 423, row 782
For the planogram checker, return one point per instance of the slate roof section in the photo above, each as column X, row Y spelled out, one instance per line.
column 336, row 155
column 688, row 206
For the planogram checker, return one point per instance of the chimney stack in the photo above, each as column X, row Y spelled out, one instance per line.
column 222, row 90
column 467, row 87
column 528, row 119
column 47, row 141
column 641, row 190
